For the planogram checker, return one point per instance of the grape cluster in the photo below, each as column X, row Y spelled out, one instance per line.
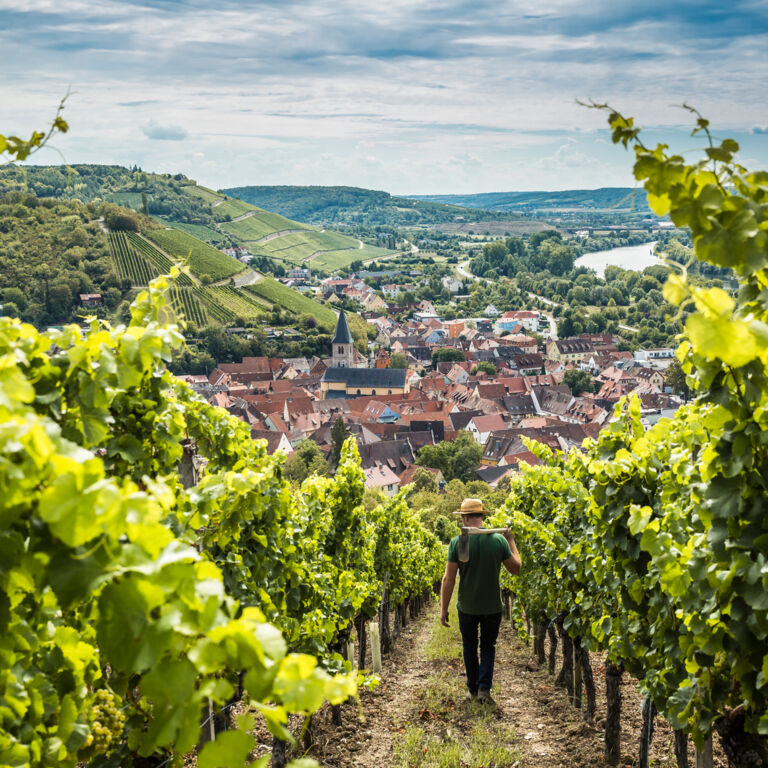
column 107, row 721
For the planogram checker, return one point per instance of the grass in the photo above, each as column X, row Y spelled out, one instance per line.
column 482, row 746
column 233, row 207
column 202, row 192
column 298, row 246
column 199, row 231
column 444, row 729
column 202, row 259
column 290, row 299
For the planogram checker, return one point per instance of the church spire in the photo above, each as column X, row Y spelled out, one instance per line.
column 342, row 335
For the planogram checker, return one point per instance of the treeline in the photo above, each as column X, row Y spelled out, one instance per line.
column 151, row 193
column 539, row 252
column 347, row 205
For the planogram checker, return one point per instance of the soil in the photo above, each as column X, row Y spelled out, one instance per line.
column 549, row 732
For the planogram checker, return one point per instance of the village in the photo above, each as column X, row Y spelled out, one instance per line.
column 501, row 378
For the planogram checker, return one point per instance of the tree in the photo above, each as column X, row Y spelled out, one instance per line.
column 456, row 460
column 485, row 367
column 675, row 378
column 305, row 461
column 423, row 480
column 398, row 361
column 339, row 433
column 446, row 355
column 579, row 381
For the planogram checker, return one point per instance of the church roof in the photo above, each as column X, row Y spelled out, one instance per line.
column 342, row 335
column 366, row 377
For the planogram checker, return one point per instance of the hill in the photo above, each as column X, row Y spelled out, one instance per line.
column 607, row 199
column 349, row 206
column 52, row 251
column 179, row 202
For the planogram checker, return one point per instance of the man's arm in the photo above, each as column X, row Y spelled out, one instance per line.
column 512, row 564
column 446, row 590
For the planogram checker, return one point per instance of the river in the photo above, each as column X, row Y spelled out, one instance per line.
column 636, row 257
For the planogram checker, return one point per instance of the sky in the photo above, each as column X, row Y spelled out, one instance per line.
column 408, row 96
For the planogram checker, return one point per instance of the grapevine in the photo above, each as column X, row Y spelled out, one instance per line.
column 652, row 545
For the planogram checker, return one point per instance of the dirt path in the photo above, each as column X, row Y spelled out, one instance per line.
column 422, row 701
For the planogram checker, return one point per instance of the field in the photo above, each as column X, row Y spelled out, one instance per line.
column 186, row 304
column 130, row 264
column 300, row 246
column 331, row 260
column 196, row 230
column 203, row 259
column 202, row 192
column 158, row 258
column 231, row 207
column 292, row 300
column 236, row 302
column 261, row 224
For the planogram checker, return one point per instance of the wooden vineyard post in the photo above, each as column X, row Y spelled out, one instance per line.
column 646, row 734
column 279, row 753
column 704, row 759
column 385, row 641
column 681, row 749
column 362, row 640
column 351, row 652
column 577, row 679
column 552, row 634
column 582, row 659
column 375, row 647
column 540, row 628
column 613, row 715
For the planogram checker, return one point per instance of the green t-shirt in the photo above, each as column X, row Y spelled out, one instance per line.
column 479, row 590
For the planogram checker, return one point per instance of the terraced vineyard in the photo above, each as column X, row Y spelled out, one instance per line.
column 300, row 246
column 290, row 299
column 202, row 259
column 199, row 231
column 237, row 303
column 157, row 258
column 186, row 304
column 130, row 265
column 331, row 260
column 259, row 225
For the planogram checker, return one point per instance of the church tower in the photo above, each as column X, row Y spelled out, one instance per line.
column 343, row 349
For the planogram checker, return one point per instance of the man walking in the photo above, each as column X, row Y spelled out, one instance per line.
column 479, row 595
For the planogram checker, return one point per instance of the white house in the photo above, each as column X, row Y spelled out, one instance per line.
column 482, row 426
column 383, row 479
column 491, row 311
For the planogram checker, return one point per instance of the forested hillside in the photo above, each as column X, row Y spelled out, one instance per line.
column 607, row 198
column 51, row 251
column 349, row 205
column 213, row 217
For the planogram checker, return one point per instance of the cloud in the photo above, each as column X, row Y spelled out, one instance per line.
column 153, row 130
column 760, row 129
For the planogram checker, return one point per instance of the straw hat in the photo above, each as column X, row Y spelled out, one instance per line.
column 471, row 507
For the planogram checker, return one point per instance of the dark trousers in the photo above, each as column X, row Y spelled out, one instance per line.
column 479, row 674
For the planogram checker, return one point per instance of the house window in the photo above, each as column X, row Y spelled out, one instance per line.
column 373, row 391
column 341, row 350
column 358, row 391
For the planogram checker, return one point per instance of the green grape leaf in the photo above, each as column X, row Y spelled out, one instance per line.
column 228, row 750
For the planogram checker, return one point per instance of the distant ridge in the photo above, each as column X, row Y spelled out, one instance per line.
column 349, row 205
column 618, row 199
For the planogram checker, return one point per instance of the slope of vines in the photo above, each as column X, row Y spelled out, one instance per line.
column 130, row 601
column 653, row 546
